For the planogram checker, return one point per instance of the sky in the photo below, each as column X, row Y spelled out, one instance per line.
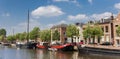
column 47, row 13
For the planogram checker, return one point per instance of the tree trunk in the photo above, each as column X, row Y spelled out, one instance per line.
column 72, row 39
column 93, row 39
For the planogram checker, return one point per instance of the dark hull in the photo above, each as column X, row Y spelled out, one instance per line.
column 67, row 48
column 92, row 50
column 20, row 45
column 31, row 45
column 6, row 44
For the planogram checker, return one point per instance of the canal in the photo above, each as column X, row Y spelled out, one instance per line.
column 13, row 53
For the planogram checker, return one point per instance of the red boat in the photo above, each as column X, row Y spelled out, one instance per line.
column 42, row 45
column 64, row 47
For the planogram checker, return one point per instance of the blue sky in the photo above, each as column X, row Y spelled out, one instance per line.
column 46, row 13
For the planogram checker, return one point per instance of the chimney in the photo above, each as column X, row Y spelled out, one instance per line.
column 112, row 17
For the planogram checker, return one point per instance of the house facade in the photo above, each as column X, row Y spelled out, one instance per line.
column 61, row 28
column 79, row 38
column 108, row 27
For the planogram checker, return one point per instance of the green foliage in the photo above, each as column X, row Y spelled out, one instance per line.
column 17, row 36
column 87, row 32
column 1, row 38
column 22, row 36
column 2, row 32
column 72, row 31
column 92, row 31
column 56, row 35
column 34, row 34
column 118, row 31
column 45, row 35
column 11, row 38
column 97, row 31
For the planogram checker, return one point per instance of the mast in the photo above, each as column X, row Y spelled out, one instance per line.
column 28, row 27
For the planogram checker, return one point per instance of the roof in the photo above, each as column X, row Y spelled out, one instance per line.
column 59, row 26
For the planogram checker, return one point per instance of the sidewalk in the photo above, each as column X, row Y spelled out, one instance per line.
column 104, row 47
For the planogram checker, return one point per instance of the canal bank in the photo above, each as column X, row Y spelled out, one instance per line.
column 99, row 49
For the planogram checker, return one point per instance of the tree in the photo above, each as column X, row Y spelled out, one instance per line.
column 22, row 36
column 97, row 32
column 118, row 31
column 11, row 38
column 92, row 32
column 34, row 34
column 17, row 36
column 72, row 31
column 87, row 33
column 1, row 38
column 2, row 34
column 56, row 35
column 45, row 35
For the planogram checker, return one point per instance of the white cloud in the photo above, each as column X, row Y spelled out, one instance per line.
column 85, row 18
column 90, row 1
column 77, row 17
column 102, row 15
column 117, row 6
column 47, row 11
column 6, row 14
column 62, row 22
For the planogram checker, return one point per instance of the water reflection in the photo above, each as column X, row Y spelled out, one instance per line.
column 13, row 53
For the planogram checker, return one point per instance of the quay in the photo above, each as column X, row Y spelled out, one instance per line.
column 110, row 47
column 99, row 49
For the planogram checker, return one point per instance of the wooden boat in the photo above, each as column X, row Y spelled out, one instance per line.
column 63, row 47
column 42, row 45
column 6, row 44
column 20, row 44
column 31, row 45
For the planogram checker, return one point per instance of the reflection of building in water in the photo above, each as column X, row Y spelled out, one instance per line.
column 43, row 54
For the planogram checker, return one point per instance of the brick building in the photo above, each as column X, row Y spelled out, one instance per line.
column 62, row 30
column 109, row 27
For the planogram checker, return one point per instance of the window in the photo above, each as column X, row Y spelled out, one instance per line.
column 106, row 28
column 116, row 25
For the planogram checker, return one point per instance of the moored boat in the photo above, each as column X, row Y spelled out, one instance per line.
column 31, row 45
column 63, row 47
column 20, row 44
column 42, row 45
column 6, row 44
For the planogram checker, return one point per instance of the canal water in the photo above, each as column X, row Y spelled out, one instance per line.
column 14, row 53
